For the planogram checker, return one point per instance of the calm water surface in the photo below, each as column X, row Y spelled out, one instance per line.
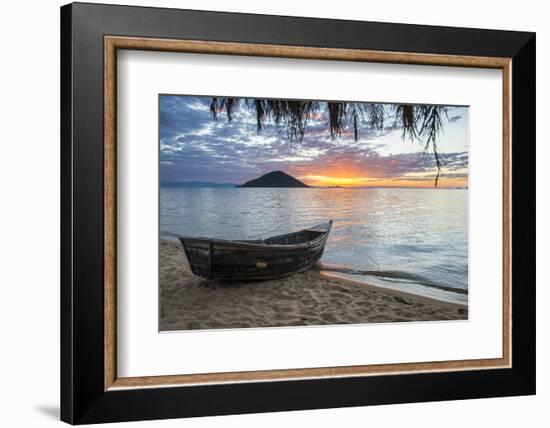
column 410, row 239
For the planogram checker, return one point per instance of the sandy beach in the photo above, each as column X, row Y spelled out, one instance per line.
column 310, row 298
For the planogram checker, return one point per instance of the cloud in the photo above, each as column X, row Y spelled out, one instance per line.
column 193, row 146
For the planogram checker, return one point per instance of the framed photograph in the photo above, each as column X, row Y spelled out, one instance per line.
column 265, row 213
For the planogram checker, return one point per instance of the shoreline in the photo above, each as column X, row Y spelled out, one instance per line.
column 394, row 292
column 188, row 302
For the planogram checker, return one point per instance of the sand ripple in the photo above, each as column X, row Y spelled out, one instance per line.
column 188, row 302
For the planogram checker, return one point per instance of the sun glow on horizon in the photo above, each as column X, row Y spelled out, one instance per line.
column 193, row 146
column 360, row 181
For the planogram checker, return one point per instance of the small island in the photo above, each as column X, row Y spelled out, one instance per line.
column 274, row 179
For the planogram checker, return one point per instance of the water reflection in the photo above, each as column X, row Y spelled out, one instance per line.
column 423, row 232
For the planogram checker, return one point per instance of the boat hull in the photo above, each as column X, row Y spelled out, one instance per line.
column 272, row 258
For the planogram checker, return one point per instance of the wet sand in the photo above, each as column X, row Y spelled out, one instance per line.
column 188, row 302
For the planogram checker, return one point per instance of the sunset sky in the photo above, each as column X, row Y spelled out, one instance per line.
column 194, row 147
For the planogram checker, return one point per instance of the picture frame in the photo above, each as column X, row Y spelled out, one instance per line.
column 91, row 391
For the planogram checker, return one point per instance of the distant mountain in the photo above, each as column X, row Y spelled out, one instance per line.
column 195, row 184
column 274, row 179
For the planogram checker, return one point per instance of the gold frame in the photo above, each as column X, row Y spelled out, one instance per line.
column 112, row 43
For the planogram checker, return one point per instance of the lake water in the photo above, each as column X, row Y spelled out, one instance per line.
column 414, row 240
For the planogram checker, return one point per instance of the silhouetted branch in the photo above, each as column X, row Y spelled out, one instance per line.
column 418, row 122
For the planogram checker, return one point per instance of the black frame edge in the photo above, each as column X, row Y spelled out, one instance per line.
column 524, row 213
column 304, row 31
column 66, row 305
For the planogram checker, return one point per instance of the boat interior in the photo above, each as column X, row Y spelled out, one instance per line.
column 300, row 237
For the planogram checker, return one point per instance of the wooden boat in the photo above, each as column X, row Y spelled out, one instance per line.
column 274, row 257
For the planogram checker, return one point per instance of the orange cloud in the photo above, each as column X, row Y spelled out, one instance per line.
column 361, row 181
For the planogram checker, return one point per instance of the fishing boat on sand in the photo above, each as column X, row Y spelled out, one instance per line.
column 256, row 260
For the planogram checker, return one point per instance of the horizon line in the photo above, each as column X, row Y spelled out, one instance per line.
column 237, row 185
